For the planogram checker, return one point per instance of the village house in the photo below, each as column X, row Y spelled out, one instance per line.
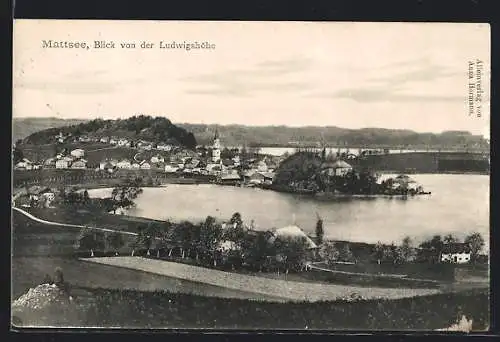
column 78, row 153
column 62, row 163
column 157, row 159
column 24, row 164
column 123, row 142
column 40, row 195
column 236, row 160
column 230, row 179
column 169, row 168
column 457, row 253
column 113, row 161
column 104, row 140
column 49, row 163
column 79, row 164
column 144, row 165
column 337, row 168
column 135, row 166
column 294, row 232
column 124, row 164
column 113, row 141
column 164, row 147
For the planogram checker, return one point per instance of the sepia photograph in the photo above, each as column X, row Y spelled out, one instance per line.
column 234, row 175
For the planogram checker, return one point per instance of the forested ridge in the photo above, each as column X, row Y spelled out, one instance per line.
column 238, row 135
column 155, row 129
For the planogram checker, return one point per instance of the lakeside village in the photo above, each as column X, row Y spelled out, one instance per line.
column 225, row 166
column 233, row 243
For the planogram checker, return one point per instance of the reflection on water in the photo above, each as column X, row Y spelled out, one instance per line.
column 459, row 204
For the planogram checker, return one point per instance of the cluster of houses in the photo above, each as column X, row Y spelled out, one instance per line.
column 116, row 141
column 253, row 171
column 73, row 160
column 26, row 164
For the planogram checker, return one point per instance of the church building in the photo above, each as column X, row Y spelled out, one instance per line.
column 216, row 148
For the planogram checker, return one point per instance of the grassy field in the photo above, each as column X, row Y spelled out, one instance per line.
column 130, row 298
column 81, row 217
column 297, row 291
column 168, row 310
column 27, row 272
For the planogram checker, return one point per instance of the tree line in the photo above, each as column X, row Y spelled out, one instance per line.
column 279, row 136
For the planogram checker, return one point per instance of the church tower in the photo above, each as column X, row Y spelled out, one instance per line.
column 216, row 147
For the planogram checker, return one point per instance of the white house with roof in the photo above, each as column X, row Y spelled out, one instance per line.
column 104, row 140
column 78, row 153
column 135, row 166
column 336, row 168
column 157, row 159
column 62, row 163
column 292, row 231
column 457, row 253
column 165, row 147
column 124, row 164
column 144, row 165
column 24, row 164
column 113, row 141
column 79, row 164
column 169, row 168
column 123, row 142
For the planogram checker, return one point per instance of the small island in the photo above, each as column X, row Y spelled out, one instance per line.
column 315, row 173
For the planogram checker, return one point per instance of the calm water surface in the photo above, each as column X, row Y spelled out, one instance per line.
column 459, row 204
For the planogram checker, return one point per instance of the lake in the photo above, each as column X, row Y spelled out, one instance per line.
column 459, row 204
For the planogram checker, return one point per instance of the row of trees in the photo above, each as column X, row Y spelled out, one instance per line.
column 202, row 242
column 279, row 136
column 427, row 251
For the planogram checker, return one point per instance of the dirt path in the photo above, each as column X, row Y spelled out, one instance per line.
column 295, row 291
column 51, row 223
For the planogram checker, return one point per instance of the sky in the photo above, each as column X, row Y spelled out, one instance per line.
column 353, row 75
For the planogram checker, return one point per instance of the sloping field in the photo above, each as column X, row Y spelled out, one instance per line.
column 30, row 271
column 294, row 291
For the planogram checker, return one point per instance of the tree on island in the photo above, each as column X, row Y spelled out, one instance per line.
column 476, row 244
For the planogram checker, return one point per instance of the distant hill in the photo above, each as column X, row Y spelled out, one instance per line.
column 238, row 135
column 235, row 135
column 23, row 127
column 154, row 129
